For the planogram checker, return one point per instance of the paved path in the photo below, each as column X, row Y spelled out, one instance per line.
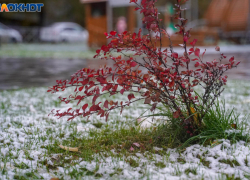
column 29, row 72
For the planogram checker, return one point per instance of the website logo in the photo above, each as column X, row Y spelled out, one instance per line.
column 21, row 7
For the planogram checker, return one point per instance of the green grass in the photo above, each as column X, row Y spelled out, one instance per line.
column 102, row 142
column 46, row 51
column 217, row 124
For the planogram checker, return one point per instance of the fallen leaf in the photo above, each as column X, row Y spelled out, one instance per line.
column 215, row 142
column 136, row 144
column 131, row 148
column 54, row 179
column 234, row 126
column 73, row 149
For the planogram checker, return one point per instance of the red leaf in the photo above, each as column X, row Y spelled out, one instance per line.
column 106, row 104
column 197, row 64
column 80, row 88
column 176, row 114
column 131, row 96
column 94, row 98
column 122, row 91
column 84, row 107
column 94, row 108
column 136, row 144
column 171, row 84
column 197, row 52
column 85, row 82
column 102, row 80
column 147, row 101
column 195, row 59
column 131, row 148
column 115, row 88
column 185, row 39
column 153, row 107
column 217, row 48
column 203, row 53
column 78, row 97
column 175, row 55
column 191, row 49
column 133, row 64
column 134, row 36
column 231, row 59
column 193, row 42
column 113, row 33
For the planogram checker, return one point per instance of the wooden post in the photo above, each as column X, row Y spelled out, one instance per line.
column 131, row 18
column 88, row 16
column 109, row 10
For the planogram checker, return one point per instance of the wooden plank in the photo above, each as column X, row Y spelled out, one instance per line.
column 236, row 17
column 96, row 28
column 91, row 1
column 216, row 11
column 131, row 18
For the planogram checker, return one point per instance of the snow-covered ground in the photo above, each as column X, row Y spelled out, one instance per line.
column 26, row 131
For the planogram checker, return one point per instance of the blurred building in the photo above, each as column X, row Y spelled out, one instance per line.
column 102, row 15
column 231, row 19
column 211, row 21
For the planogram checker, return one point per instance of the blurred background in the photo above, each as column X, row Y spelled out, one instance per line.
column 37, row 48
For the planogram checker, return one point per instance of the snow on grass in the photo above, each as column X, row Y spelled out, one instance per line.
column 76, row 50
column 29, row 140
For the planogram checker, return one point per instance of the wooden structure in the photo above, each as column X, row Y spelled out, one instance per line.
column 99, row 18
column 225, row 18
column 216, row 12
column 230, row 15
column 228, row 19
column 237, row 16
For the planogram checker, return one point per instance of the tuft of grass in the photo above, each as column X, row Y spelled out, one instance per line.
column 181, row 160
column 191, row 170
column 204, row 162
column 133, row 163
column 22, row 165
column 219, row 123
column 232, row 163
column 169, row 134
column 98, row 124
column 160, row 164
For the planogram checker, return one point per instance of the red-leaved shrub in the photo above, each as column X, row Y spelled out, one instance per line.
column 152, row 74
